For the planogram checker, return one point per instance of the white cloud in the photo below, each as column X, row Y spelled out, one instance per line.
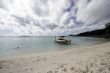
column 52, row 17
column 93, row 14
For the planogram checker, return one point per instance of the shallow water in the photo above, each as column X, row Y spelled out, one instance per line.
column 13, row 46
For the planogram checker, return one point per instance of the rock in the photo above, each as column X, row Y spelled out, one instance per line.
column 56, row 71
column 101, row 69
column 108, row 69
column 49, row 72
column 85, row 72
column 17, row 47
column 0, row 67
column 26, row 69
column 38, row 60
column 64, row 70
column 62, row 65
column 102, row 63
column 72, row 68
column 91, row 72
column 108, row 53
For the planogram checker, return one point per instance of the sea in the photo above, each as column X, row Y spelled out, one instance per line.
column 17, row 46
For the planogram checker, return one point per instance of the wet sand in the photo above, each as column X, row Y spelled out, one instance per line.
column 90, row 59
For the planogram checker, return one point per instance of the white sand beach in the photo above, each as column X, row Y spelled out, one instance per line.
column 90, row 59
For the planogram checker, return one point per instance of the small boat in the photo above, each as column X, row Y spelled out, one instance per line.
column 62, row 40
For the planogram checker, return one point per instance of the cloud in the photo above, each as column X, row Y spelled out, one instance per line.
column 52, row 17
column 93, row 14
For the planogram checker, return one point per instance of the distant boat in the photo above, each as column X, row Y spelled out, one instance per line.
column 62, row 40
column 24, row 36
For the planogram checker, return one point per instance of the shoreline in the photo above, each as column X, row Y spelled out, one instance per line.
column 93, row 59
column 51, row 52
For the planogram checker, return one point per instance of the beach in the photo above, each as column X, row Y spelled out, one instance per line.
column 88, row 59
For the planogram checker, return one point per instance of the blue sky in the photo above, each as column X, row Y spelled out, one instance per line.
column 52, row 17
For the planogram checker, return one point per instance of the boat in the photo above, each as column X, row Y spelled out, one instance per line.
column 62, row 40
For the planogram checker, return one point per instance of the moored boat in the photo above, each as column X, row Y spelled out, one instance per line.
column 62, row 40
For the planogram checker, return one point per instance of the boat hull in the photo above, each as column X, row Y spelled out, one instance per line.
column 63, row 41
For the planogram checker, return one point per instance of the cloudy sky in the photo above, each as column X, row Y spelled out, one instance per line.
column 52, row 17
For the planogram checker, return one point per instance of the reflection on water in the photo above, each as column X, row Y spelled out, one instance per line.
column 11, row 46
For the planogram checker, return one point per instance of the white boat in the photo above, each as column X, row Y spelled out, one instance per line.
column 62, row 40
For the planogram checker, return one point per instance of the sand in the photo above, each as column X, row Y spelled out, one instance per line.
column 90, row 59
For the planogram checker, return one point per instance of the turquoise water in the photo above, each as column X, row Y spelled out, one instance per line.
column 13, row 46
